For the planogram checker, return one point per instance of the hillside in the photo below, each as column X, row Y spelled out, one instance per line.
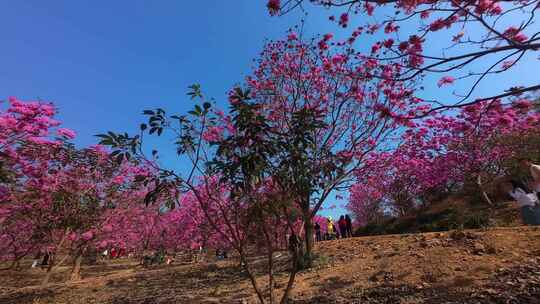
column 499, row 265
column 452, row 213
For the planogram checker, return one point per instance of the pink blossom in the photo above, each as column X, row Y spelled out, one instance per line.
column 523, row 104
column 213, row 134
column 388, row 43
column 292, row 37
column 274, row 6
column 66, row 133
column 514, row 34
column 118, row 180
column 344, row 19
column 446, row 80
column 87, row 236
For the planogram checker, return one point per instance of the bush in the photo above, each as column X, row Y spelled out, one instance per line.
column 321, row 260
column 370, row 229
column 445, row 220
column 476, row 221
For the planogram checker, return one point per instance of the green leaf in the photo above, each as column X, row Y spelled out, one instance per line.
column 195, row 91
column 120, row 158
column 143, row 127
column 207, row 105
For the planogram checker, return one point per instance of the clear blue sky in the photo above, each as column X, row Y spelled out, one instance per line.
column 103, row 62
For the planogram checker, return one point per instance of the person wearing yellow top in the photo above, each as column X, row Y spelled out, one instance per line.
column 330, row 233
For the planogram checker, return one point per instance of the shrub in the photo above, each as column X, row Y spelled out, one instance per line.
column 476, row 221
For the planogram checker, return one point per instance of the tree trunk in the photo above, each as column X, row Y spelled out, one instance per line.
column 308, row 229
column 290, row 284
column 297, row 253
column 51, row 267
column 48, row 274
column 481, row 186
column 76, row 270
column 252, row 278
column 52, row 259
column 271, row 273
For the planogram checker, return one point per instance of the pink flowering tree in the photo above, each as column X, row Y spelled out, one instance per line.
column 26, row 132
column 446, row 153
column 64, row 201
column 55, row 197
column 353, row 113
column 452, row 41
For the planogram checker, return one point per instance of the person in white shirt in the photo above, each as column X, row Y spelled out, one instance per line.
column 534, row 170
column 526, row 201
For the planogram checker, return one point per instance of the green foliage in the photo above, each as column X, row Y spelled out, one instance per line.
column 195, row 91
column 123, row 145
column 320, row 260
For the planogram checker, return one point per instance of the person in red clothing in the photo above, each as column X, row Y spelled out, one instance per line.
column 342, row 227
column 114, row 253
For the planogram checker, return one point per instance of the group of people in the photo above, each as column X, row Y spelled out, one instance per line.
column 113, row 253
column 528, row 200
column 343, row 229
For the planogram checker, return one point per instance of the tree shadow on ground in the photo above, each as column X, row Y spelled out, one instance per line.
column 517, row 285
column 193, row 286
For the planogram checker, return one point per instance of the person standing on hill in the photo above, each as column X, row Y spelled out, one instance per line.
column 318, row 232
column 534, row 170
column 330, row 229
column 342, row 227
column 114, row 253
column 35, row 262
column 46, row 258
column 527, row 202
column 348, row 222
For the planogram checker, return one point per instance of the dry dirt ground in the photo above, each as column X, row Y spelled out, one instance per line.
column 500, row 265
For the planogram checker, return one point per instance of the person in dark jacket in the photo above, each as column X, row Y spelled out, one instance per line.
column 318, row 232
column 46, row 258
column 348, row 221
column 342, row 227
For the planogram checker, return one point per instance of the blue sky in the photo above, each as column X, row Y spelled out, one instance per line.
column 103, row 62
